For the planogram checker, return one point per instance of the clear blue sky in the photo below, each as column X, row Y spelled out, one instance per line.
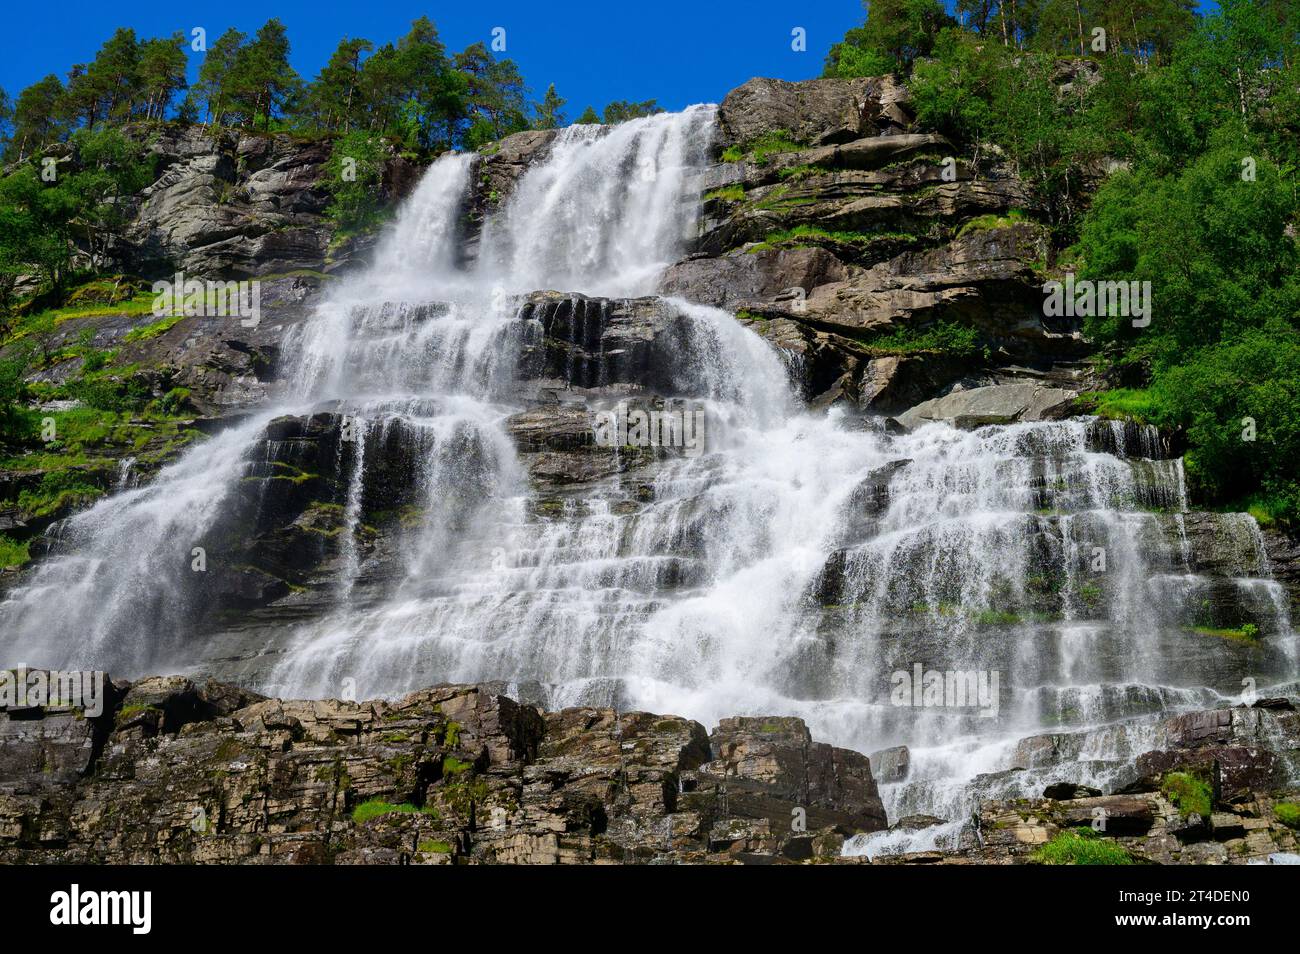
column 677, row 51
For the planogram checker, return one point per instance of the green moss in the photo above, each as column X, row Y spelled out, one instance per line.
column 1288, row 813
column 760, row 149
column 451, row 734
column 376, row 807
column 947, row 337
column 145, row 332
column 433, row 847
column 1188, row 793
column 991, row 617
column 126, row 712
column 731, row 193
column 1249, row 633
column 801, row 172
column 991, row 221
column 454, row 766
column 1082, row 847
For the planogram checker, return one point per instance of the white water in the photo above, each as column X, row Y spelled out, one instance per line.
column 752, row 579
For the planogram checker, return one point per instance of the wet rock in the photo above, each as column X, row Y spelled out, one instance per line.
column 997, row 404
column 1063, row 791
column 891, row 765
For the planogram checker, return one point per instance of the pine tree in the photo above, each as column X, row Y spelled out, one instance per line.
column 620, row 110
column 216, row 75
column 36, row 118
column 334, row 100
column 589, row 117
column 548, row 110
column 162, row 73
column 263, row 80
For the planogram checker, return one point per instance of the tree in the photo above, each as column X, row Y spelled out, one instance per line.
column 895, row 34
column 355, row 174
column 217, row 74
column 334, row 100
column 548, row 115
column 620, row 110
column 494, row 95
column 114, row 76
column 588, row 117
column 162, row 73
column 37, row 121
column 263, row 81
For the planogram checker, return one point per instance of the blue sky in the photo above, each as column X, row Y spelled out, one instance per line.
column 675, row 51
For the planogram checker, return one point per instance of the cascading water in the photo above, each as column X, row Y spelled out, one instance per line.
column 798, row 566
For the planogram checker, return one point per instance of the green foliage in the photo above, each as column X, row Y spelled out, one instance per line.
column 758, row 150
column 984, row 223
column 732, row 193
column 355, row 173
column 949, row 337
column 1189, row 794
column 894, row 35
column 1288, row 813
column 1081, row 846
column 620, row 111
column 12, row 552
column 1120, row 404
column 376, row 807
column 548, row 114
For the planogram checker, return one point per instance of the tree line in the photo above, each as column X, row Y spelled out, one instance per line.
column 412, row 91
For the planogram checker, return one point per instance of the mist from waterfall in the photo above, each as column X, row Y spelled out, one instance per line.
column 796, row 567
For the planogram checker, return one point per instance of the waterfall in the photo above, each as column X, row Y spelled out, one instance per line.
column 803, row 564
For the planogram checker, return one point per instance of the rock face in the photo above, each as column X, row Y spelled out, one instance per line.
column 175, row 771
column 820, row 112
column 231, row 205
column 860, row 232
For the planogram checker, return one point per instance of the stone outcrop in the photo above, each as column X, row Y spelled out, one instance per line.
column 227, row 204
column 179, row 771
column 820, row 112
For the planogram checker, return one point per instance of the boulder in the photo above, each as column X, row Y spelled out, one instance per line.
column 996, row 404
column 817, row 112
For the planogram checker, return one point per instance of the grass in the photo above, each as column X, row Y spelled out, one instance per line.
column 1288, row 813
column 1188, row 793
column 432, row 847
column 1248, row 633
column 990, row 617
column 983, row 223
column 811, row 234
column 802, row 172
column 13, row 552
column 139, row 305
column 948, row 337
column 145, row 332
column 1082, row 847
column 1119, row 404
column 377, row 807
column 731, row 193
column 760, row 149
